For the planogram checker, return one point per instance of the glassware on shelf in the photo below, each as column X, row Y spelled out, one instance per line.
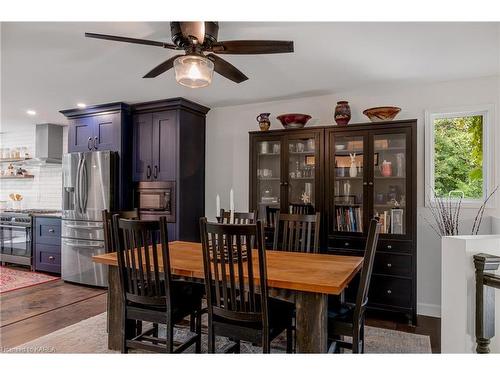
column 400, row 162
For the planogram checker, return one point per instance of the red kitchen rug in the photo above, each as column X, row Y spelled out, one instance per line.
column 13, row 278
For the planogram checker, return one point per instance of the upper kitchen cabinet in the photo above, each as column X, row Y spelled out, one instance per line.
column 162, row 131
column 97, row 128
column 105, row 127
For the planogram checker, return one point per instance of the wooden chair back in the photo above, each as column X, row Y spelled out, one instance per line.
column 143, row 260
column 271, row 213
column 366, row 272
column 299, row 233
column 107, row 220
column 232, row 292
column 239, row 217
column 301, row 209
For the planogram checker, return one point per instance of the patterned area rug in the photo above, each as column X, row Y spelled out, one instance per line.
column 13, row 278
column 89, row 336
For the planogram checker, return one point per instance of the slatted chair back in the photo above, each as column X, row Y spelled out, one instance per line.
column 298, row 233
column 232, row 292
column 239, row 217
column 301, row 209
column 143, row 260
column 366, row 272
column 271, row 213
column 107, row 220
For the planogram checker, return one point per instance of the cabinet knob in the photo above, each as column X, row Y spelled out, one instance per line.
column 51, row 257
column 389, row 247
column 389, row 291
column 370, row 183
column 88, row 143
column 148, row 172
column 389, row 265
column 95, row 143
column 346, row 244
column 155, row 174
column 51, row 230
column 365, row 183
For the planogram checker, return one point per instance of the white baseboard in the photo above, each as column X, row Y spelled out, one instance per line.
column 429, row 310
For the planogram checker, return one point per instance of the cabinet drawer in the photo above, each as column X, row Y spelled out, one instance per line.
column 347, row 243
column 48, row 258
column 392, row 291
column 396, row 246
column 48, row 231
column 392, row 264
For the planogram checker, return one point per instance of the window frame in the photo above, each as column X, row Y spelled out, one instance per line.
column 488, row 113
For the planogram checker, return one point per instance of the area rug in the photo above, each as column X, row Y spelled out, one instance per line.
column 89, row 336
column 14, row 278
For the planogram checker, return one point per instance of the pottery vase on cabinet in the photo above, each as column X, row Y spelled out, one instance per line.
column 342, row 113
column 264, row 122
column 353, row 171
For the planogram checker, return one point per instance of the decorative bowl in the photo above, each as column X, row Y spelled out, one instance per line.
column 381, row 113
column 293, row 120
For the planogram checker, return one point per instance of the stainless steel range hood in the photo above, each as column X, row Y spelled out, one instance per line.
column 48, row 144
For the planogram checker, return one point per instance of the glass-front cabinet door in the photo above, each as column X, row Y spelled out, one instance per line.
column 390, row 181
column 347, row 160
column 302, row 162
column 267, row 174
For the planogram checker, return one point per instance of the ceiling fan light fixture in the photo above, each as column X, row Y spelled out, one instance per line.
column 193, row 71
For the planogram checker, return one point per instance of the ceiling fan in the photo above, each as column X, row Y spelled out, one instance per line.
column 194, row 68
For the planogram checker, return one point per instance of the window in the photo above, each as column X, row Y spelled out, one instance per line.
column 458, row 162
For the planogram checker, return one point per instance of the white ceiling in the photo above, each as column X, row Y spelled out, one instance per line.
column 52, row 66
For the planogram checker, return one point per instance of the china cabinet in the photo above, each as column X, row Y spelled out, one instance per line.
column 360, row 171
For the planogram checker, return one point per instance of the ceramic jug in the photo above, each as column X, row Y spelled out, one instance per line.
column 264, row 122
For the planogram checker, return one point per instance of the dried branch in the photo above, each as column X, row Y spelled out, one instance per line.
column 479, row 216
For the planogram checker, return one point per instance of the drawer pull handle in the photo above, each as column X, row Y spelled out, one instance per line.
column 51, row 230
column 51, row 258
column 346, row 244
column 389, row 247
column 389, row 291
column 389, row 265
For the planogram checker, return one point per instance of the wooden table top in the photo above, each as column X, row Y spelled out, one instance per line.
column 319, row 273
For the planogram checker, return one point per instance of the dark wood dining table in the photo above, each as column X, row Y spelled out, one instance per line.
column 302, row 278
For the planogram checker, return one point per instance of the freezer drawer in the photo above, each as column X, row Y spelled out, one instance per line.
column 83, row 230
column 77, row 265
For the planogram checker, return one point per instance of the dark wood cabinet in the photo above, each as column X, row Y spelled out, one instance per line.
column 105, row 127
column 169, row 146
column 361, row 171
column 47, row 244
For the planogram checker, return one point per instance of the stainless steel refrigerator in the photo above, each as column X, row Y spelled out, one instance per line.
column 88, row 188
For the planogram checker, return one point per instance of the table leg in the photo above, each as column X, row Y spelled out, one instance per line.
column 311, row 322
column 114, row 310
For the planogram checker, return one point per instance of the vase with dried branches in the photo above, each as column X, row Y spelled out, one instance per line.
column 446, row 214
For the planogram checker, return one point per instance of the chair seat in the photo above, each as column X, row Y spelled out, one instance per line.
column 280, row 318
column 340, row 319
column 186, row 298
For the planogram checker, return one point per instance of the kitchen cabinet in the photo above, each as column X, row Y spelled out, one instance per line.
column 360, row 171
column 105, row 127
column 155, row 146
column 47, row 244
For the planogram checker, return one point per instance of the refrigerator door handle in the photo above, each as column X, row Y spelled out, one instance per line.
column 84, row 227
column 79, row 244
column 85, row 185
column 77, row 185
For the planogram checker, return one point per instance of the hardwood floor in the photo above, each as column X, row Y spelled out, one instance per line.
column 36, row 311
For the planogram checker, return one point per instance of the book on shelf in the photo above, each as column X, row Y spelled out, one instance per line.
column 349, row 219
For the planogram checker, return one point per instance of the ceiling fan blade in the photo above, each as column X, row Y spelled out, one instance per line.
column 162, row 68
column 131, row 40
column 193, row 29
column 240, row 47
column 226, row 69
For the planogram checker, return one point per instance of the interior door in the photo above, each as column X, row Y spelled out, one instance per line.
column 164, row 167
column 81, row 134
column 143, row 147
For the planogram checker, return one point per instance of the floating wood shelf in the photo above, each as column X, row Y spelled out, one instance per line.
column 25, row 177
column 15, row 160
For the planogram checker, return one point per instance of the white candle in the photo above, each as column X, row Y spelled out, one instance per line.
column 231, row 206
column 217, row 205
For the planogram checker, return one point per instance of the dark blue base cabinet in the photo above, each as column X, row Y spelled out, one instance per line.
column 47, row 244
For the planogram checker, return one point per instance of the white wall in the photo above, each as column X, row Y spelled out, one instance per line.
column 227, row 152
column 45, row 190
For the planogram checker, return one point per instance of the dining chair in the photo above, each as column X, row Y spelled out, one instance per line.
column 148, row 292
column 347, row 319
column 239, row 217
column 107, row 220
column 271, row 213
column 239, row 306
column 301, row 209
column 299, row 233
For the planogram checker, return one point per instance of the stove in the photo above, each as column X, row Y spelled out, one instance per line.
column 16, row 235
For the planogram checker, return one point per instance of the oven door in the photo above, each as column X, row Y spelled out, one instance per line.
column 15, row 239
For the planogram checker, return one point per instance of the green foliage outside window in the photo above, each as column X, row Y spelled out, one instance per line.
column 458, row 156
